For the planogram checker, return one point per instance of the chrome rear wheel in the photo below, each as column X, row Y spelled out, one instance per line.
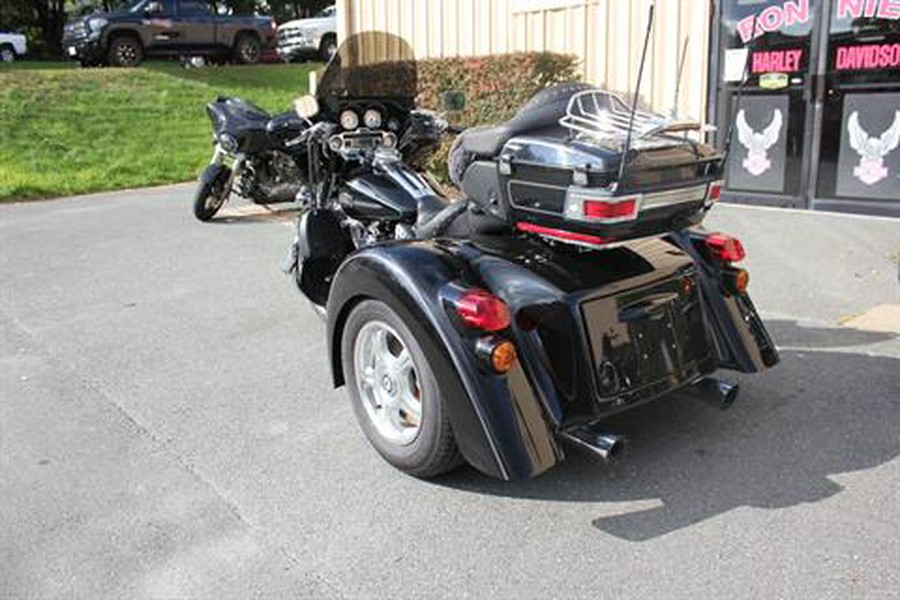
column 394, row 390
column 388, row 383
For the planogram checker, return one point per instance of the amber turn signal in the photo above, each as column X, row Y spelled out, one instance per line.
column 496, row 353
column 503, row 357
column 737, row 281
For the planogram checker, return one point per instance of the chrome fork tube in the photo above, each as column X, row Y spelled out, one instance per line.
column 218, row 156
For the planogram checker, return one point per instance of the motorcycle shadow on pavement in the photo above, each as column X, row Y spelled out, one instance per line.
column 248, row 214
column 824, row 411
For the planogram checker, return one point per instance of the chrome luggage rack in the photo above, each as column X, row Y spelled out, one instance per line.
column 603, row 117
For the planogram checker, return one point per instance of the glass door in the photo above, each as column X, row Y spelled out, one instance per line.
column 859, row 131
column 769, row 161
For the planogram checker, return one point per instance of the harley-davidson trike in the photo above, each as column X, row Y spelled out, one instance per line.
column 572, row 280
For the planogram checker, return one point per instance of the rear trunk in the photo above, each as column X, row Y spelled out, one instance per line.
column 548, row 182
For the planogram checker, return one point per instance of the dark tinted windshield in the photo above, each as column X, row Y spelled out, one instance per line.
column 371, row 64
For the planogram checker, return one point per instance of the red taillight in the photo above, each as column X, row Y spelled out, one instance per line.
column 725, row 247
column 715, row 192
column 482, row 310
column 562, row 234
column 605, row 210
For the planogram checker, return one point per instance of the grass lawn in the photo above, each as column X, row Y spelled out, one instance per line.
column 65, row 130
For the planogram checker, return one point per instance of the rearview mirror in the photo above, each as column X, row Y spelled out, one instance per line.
column 453, row 101
column 152, row 8
column 306, row 107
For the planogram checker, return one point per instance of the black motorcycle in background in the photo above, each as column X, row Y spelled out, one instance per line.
column 256, row 155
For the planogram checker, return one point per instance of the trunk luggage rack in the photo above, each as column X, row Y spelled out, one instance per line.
column 605, row 118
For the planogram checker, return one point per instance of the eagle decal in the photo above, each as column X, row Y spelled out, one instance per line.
column 872, row 150
column 758, row 144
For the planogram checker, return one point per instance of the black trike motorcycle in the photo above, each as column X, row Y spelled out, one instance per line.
column 572, row 280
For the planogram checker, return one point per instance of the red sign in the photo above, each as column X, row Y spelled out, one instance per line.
column 781, row 61
column 868, row 56
column 775, row 18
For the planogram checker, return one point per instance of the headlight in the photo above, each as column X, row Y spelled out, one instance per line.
column 96, row 23
column 372, row 119
column 349, row 120
column 228, row 142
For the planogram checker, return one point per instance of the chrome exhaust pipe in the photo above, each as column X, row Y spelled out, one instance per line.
column 717, row 393
column 607, row 446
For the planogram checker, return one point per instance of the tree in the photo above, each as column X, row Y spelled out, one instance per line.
column 42, row 20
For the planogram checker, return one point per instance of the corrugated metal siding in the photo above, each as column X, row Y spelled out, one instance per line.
column 605, row 34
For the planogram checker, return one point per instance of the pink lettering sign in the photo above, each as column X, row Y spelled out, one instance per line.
column 781, row 61
column 881, row 9
column 869, row 56
column 775, row 18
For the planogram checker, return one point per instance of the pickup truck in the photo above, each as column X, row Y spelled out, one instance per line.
column 167, row 28
column 309, row 38
column 12, row 46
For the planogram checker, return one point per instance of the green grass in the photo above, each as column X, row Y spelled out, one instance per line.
column 67, row 131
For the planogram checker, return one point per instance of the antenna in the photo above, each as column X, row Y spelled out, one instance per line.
column 637, row 92
column 684, row 51
column 729, row 137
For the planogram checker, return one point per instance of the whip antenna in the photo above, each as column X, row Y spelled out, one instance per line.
column 684, row 51
column 637, row 92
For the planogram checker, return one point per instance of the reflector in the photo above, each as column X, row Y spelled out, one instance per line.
column 724, row 247
column 715, row 192
column 482, row 310
column 604, row 209
column 562, row 234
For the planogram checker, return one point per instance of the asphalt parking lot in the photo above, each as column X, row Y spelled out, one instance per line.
column 168, row 430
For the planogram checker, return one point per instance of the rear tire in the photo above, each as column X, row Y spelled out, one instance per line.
column 125, row 51
column 247, row 49
column 210, row 197
column 401, row 411
column 328, row 47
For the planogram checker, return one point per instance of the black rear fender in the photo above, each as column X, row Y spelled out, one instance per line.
column 742, row 342
column 499, row 422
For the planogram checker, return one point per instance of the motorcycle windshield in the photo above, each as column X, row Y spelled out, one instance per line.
column 371, row 64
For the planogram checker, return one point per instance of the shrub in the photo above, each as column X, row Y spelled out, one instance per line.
column 495, row 87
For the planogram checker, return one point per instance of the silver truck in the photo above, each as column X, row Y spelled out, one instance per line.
column 12, row 46
column 311, row 38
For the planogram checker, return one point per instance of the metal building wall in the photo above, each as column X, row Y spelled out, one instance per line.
column 605, row 34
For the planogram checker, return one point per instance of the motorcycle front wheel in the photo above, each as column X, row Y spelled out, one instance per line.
column 395, row 394
column 211, row 194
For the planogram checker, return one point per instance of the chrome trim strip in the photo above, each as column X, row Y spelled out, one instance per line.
column 676, row 196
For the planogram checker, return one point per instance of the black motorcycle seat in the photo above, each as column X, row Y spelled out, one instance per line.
column 540, row 115
column 486, row 142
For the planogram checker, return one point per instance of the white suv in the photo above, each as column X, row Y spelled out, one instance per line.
column 12, row 46
column 309, row 38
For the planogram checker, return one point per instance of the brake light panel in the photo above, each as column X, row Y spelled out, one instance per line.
column 715, row 192
column 591, row 206
column 725, row 248
column 598, row 206
column 479, row 309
